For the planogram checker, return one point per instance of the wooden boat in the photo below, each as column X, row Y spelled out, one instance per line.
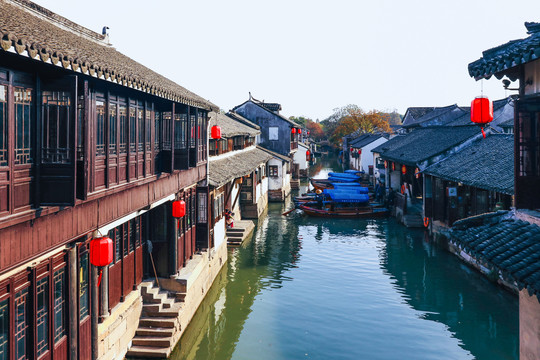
column 322, row 184
column 362, row 212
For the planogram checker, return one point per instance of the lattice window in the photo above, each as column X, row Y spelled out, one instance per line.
column 529, row 146
column 21, row 324
column 180, row 127
column 3, row 127
column 148, row 130
column 42, row 315
column 140, row 117
column 132, row 128
column 59, row 305
column 133, row 233
column 4, row 329
column 157, row 131
column 23, row 125
column 126, row 232
column 167, row 141
column 122, row 117
column 192, row 124
column 84, row 296
column 100, row 128
column 273, row 171
column 113, row 117
column 203, row 208
column 80, row 128
column 56, row 123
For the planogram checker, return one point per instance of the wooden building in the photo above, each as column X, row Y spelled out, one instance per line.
column 520, row 60
column 476, row 180
column 92, row 143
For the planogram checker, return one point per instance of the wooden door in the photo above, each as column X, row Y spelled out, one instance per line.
column 115, row 269
column 58, row 128
column 85, row 338
column 131, row 232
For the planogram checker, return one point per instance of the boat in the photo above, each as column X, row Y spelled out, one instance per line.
column 330, row 183
column 363, row 212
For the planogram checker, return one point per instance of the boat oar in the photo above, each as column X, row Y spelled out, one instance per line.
column 288, row 212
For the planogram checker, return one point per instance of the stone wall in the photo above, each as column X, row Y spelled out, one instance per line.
column 529, row 326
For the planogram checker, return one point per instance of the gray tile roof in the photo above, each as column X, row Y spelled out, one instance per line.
column 424, row 143
column 438, row 116
column 505, row 245
column 46, row 36
column 504, row 59
column 231, row 167
column 503, row 111
column 365, row 140
column 487, row 164
column 275, row 154
column 259, row 103
column 230, row 127
column 414, row 113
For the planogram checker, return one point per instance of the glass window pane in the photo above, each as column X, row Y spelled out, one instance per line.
column 3, row 127
column 59, row 305
column 84, row 296
column 21, row 323
column 4, row 330
column 112, row 129
column 42, row 315
column 123, row 128
column 100, row 128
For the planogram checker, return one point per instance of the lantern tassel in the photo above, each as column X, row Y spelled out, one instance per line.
column 483, row 133
column 99, row 279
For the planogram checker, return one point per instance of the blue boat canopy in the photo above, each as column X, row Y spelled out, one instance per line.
column 348, row 197
column 343, row 175
column 352, row 189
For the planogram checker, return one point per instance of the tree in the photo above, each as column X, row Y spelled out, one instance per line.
column 315, row 130
column 360, row 122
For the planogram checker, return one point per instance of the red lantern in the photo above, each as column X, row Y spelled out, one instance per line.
column 385, row 164
column 481, row 112
column 178, row 208
column 417, row 173
column 403, row 169
column 352, row 150
column 393, row 166
column 308, row 132
column 299, row 131
column 101, row 251
column 216, row 132
column 360, row 151
column 293, row 131
column 307, row 155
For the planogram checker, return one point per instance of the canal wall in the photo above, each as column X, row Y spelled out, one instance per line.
column 529, row 326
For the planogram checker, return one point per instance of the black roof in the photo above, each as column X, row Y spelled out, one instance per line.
column 365, row 140
column 413, row 113
column 231, row 127
column 503, row 111
column 424, row 143
column 260, row 104
column 504, row 244
column 486, row 164
column 504, row 59
column 438, row 116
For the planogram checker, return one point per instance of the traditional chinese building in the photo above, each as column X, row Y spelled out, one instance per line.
column 92, row 144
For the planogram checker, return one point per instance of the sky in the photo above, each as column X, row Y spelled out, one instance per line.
column 312, row 56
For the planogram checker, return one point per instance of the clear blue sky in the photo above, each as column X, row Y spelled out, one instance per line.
column 312, row 56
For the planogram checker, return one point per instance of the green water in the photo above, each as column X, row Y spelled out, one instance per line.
column 306, row 288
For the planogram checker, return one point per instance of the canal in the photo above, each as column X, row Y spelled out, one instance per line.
column 307, row 288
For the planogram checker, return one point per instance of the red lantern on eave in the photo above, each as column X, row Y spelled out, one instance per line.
column 385, row 164
column 481, row 112
column 101, row 251
column 178, row 208
column 216, row 132
column 393, row 166
column 403, row 169
column 299, row 131
column 293, row 131
column 352, row 150
column 308, row 153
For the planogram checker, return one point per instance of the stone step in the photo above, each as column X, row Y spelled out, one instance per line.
column 235, row 235
column 154, row 331
column 171, row 312
column 152, row 341
column 148, row 352
column 158, row 322
column 156, row 297
column 180, row 296
column 168, row 303
column 236, row 229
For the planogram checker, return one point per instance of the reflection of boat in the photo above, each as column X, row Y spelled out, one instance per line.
column 367, row 212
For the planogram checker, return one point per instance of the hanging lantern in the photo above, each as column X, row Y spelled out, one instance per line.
column 393, row 166
column 307, row 155
column 481, row 112
column 352, row 150
column 360, row 151
column 101, row 251
column 403, row 169
column 293, row 131
column 299, row 131
column 216, row 132
column 385, row 164
column 178, row 208
column 417, row 173
column 308, row 132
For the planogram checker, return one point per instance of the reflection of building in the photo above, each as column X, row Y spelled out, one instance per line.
column 92, row 143
column 518, row 60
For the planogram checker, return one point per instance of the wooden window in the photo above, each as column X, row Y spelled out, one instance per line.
column 132, row 128
column 3, row 126
column 148, row 130
column 238, row 142
column 133, row 233
column 126, row 231
column 166, row 119
column 193, row 208
column 140, row 118
column 100, row 128
column 180, row 127
column 56, row 147
column 23, row 123
column 80, row 128
column 157, row 131
column 116, row 235
column 192, row 124
column 203, row 208
column 112, row 128
column 224, row 145
column 42, row 315
column 84, row 296
column 21, row 324
column 212, row 146
column 59, row 305
column 529, row 147
column 273, row 171
column 122, row 117
column 4, row 329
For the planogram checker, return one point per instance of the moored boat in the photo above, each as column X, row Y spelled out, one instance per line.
column 365, row 212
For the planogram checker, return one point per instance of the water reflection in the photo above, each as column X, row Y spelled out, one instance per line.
column 308, row 288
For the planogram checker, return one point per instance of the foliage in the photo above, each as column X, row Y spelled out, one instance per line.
column 314, row 128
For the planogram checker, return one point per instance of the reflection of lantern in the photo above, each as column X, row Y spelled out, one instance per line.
column 293, row 131
column 101, row 251
column 481, row 112
column 178, row 208
column 403, row 169
column 216, row 132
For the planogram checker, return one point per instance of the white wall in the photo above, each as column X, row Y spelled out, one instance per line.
column 261, row 189
column 532, row 71
column 276, row 183
column 366, row 159
column 300, row 158
column 219, row 232
column 236, row 210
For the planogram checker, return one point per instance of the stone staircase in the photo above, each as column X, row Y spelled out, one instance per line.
column 413, row 221
column 158, row 323
column 241, row 230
